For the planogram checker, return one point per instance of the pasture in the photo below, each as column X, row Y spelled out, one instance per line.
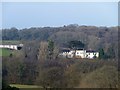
column 4, row 52
column 25, row 86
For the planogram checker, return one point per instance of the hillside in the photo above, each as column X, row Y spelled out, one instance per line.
column 37, row 63
column 86, row 34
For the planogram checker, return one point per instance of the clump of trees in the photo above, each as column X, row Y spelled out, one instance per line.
column 105, row 77
column 76, row 44
column 59, row 73
column 50, row 71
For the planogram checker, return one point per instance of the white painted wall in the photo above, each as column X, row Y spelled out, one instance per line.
column 68, row 54
column 80, row 53
column 9, row 46
column 91, row 55
column 14, row 47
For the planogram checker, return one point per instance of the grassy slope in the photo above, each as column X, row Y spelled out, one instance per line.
column 24, row 86
column 4, row 52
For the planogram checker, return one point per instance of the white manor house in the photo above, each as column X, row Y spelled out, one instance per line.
column 79, row 53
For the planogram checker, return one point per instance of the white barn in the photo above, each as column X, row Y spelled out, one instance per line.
column 13, row 47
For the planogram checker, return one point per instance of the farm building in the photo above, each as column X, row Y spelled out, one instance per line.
column 80, row 53
column 12, row 47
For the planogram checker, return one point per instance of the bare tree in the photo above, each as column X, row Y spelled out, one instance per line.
column 42, row 55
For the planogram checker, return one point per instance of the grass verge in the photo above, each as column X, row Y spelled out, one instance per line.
column 24, row 86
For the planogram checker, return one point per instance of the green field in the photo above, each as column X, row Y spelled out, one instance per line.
column 4, row 52
column 9, row 42
column 24, row 86
column 7, row 52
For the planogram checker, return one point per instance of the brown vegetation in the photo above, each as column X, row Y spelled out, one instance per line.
column 38, row 62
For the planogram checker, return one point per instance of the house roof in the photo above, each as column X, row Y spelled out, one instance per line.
column 80, row 49
column 68, row 50
column 90, row 51
column 65, row 50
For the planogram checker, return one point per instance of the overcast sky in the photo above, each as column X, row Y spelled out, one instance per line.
column 26, row 15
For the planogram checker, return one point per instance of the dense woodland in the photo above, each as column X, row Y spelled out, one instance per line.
column 38, row 62
column 93, row 37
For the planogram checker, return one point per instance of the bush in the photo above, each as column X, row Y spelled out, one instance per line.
column 105, row 77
